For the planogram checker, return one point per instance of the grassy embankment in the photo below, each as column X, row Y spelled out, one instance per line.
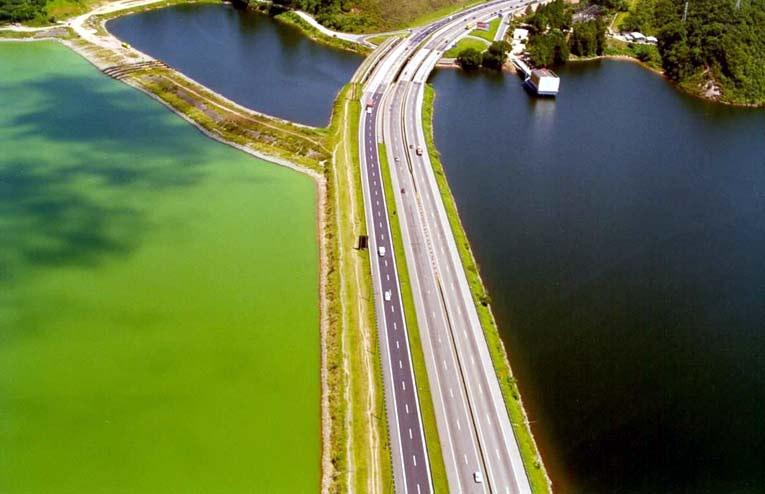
column 435, row 456
column 378, row 40
column 488, row 35
column 531, row 459
column 293, row 19
column 353, row 354
column 464, row 44
column 434, row 14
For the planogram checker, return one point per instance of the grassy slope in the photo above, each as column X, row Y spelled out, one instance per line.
column 531, row 459
column 349, row 216
column 387, row 15
column 435, row 456
column 464, row 44
column 488, row 35
column 313, row 33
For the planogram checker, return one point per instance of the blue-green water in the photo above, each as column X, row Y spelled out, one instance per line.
column 159, row 322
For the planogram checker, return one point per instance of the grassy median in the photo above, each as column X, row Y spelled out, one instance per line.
column 537, row 474
column 435, row 456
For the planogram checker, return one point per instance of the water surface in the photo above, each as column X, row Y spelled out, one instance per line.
column 621, row 232
column 159, row 326
column 250, row 58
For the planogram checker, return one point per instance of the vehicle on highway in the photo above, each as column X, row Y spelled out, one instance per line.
column 381, row 251
column 419, row 151
column 387, row 295
column 370, row 105
column 478, row 477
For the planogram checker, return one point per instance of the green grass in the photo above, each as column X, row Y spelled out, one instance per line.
column 435, row 456
column 378, row 40
column 293, row 19
column 532, row 461
column 488, row 35
column 464, row 44
column 615, row 47
column 62, row 9
column 349, row 283
column 432, row 15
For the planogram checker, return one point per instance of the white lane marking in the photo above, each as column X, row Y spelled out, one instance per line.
column 403, row 386
column 396, row 344
column 459, row 311
column 472, row 361
column 377, row 203
column 414, row 460
column 387, row 277
column 465, row 456
column 445, row 365
column 395, row 326
column 382, row 236
column 380, row 223
column 459, row 427
column 407, row 408
column 410, row 433
column 497, row 451
column 418, row 489
column 391, row 308
column 488, row 418
column 480, row 389
column 400, row 365
column 386, row 263
column 451, row 392
column 434, row 313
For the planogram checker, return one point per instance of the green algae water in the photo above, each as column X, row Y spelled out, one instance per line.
column 159, row 323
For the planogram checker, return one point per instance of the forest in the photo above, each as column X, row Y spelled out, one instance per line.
column 717, row 41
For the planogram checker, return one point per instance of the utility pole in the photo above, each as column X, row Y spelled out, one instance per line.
column 685, row 13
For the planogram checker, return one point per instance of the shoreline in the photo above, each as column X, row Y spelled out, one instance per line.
column 678, row 86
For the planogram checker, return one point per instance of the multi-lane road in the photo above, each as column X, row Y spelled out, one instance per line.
column 477, row 438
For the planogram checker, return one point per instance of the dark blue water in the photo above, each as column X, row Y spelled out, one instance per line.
column 621, row 232
column 250, row 58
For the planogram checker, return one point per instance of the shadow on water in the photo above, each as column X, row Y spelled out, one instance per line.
column 58, row 210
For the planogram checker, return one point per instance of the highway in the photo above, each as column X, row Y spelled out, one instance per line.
column 480, row 451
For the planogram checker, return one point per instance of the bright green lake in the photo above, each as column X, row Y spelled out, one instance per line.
column 159, row 323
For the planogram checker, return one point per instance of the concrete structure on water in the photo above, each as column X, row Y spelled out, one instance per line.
column 543, row 82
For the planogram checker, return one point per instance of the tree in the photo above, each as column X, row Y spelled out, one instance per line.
column 495, row 56
column 549, row 49
column 469, row 59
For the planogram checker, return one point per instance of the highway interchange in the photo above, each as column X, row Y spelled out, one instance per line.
column 479, row 446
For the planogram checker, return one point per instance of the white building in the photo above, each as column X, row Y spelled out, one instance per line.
column 651, row 40
column 520, row 35
column 638, row 37
column 544, row 82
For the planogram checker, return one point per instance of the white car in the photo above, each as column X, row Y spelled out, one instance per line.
column 478, row 477
column 387, row 295
column 381, row 251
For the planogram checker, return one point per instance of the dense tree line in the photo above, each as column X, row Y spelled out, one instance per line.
column 717, row 41
column 341, row 15
column 588, row 38
column 21, row 10
column 493, row 58
column 548, row 44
